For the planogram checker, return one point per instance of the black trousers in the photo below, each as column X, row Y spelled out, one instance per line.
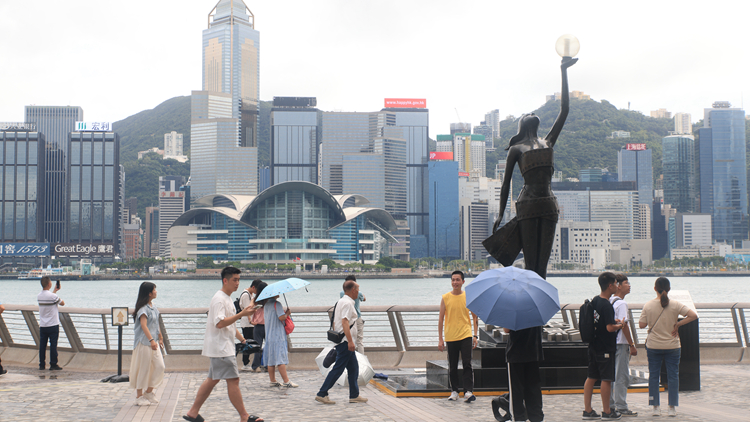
column 247, row 332
column 526, row 388
column 464, row 348
column 50, row 334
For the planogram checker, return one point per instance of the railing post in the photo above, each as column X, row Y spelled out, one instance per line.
column 33, row 325
column 633, row 332
column 106, row 333
column 743, row 322
column 71, row 332
column 5, row 334
column 163, row 330
column 402, row 328
column 395, row 330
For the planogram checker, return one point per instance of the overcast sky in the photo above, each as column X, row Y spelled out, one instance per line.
column 116, row 58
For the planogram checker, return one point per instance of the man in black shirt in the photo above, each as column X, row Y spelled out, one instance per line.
column 602, row 350
column 523, row 353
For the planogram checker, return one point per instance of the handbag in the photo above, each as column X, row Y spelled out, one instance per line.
column 288, row 323
column 333, row 335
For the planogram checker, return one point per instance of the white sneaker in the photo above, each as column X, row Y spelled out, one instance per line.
column 672, row 411
column 142, row 401
column 454, row 396
column 289, row 384
column 469, row 396
column 151, row 397
column 656, row 411
column 248, row 367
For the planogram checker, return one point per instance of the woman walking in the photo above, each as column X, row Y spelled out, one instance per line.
column 275, row 354
column 259, row 322
column 663, row 342
column 147, row 362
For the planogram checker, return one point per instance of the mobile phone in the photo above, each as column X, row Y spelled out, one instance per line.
column 57, row 285
column 257, row 306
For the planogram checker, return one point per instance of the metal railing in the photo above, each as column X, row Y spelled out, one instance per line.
column 387, row 328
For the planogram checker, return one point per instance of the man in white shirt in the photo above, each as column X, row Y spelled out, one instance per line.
column 218, row 345
column 49, row 323
column 344, row 320
column 625, row 349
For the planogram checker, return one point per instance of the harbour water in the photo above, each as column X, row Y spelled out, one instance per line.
column 198, row 293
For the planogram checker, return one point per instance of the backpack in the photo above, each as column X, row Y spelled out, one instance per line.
column 587, row 321
column 237, row 307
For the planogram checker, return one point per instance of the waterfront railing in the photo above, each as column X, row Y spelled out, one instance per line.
column 387, row 328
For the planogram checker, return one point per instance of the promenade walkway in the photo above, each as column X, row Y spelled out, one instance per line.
column 28, row 394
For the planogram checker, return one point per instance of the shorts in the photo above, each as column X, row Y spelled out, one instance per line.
column 601, row 365
column 223, row 368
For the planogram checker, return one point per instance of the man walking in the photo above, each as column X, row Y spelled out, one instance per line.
column 360, row 321
column 344, row 320
column 247, row 327
column 218, row 345
column 625, row 349
column 454, row 315
column 602, row 351
column 49, row 323
column 523, row 353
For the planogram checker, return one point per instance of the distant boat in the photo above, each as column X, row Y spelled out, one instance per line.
column 38, row 273
column 30, row 275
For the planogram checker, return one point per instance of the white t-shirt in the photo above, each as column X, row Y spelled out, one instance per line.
column 621, row 312
column 219, row 342
column 48, row 315
column 345, row 309
column 245, row 300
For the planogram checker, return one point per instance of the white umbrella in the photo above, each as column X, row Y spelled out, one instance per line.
column 365, row 369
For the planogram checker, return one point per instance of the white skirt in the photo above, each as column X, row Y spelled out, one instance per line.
column 146, row 367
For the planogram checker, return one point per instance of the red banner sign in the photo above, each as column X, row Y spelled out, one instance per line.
column 405, row 103
column 434, row 155
column 463, row 174
column 635, row 147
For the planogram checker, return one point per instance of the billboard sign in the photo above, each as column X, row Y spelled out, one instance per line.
column 93, row 127
column 435, row 155
column 18, row 126
column 83, row 249
column 636, row 147
column 405, row 103
column 24, row 249
column 463, row 174
column 172, row 194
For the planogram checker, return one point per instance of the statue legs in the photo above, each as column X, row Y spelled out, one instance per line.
column 537, row 237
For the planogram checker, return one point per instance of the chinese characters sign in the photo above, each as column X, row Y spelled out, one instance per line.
column 463, row 174
column 635, row 147
column 24, row 249
column 435, row 155
column 93, row 127
column 83, row 249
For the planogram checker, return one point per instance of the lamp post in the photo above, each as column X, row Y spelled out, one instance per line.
column 567, row 46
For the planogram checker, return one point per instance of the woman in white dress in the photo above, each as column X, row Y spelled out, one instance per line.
column 147, row 363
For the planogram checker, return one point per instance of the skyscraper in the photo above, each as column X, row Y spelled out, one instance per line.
column 171, row 206
column 55, row 122
column 492, row 119
column 444, row 210
column 173, row 147
column 723, row 172
column 680, row 168
column 469, row 150
column 634, row 164
column 296, row 127
column 683, row 125
column 230, row 66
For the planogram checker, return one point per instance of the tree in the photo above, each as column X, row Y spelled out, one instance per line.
column 205, row 262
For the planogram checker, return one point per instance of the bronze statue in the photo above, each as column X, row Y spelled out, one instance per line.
column 533, row 228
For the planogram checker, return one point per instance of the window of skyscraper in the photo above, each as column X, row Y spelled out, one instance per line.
column 109, row 153
column 98, row 153
column 21, row 183
column 75, row 183
column 10, row 152
column 86, row 149
column 33, row 152
column 21, row 149
column 75, row 153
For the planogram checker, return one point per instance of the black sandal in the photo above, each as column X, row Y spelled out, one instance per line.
column 253, row 418
column 198, row 418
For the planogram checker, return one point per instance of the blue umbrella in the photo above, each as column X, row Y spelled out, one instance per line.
column 281, row 287
column 512, row 298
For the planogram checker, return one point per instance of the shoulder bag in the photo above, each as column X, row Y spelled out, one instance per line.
column 288, row 323
column 333, row 335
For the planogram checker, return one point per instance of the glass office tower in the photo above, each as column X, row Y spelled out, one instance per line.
column 680, row 168
column 94, row 188
column 55, row 122
column 296, row 127
column 22, row 183
column 635, row 165
column 444, row 210
column 723, row 172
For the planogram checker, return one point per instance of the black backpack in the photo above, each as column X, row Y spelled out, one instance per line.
column 237, row 307
column 587, row 321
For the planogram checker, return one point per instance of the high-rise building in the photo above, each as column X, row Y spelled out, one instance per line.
column 22, row 183
column 661, row 113
column 475, row 228
column 55, row 122
column 723, row 171
column 296, row 127
column 485, row 131
column 634, row 164
column 679, row 158
column 443, row 237
column 95, row 189
column 130, row 211
column 468, row 150
column 492, row 119
column 584, row 243
column 224, row 129
column 683, row 125
column 173, row 147
column 151, row 233
column 171, row 206
column 460, row 128
column 692, row 230
column 132, row 241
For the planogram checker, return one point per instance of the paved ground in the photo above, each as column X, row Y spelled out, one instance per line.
column 31, row 395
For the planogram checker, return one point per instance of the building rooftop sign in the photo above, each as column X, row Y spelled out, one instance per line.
column 30, row 127
column 93, row 127
column 405, row 103
column 636, row 147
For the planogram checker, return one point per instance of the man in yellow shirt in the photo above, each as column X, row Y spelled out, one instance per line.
column 455, row 315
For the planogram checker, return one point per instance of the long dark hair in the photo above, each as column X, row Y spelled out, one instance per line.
column 143, row 293
column 662, row 287
column 259, row 289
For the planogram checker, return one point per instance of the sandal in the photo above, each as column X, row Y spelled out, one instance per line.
column 253, row 418
column 198, row 418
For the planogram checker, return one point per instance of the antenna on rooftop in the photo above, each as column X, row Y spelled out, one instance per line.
column 459, row 117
